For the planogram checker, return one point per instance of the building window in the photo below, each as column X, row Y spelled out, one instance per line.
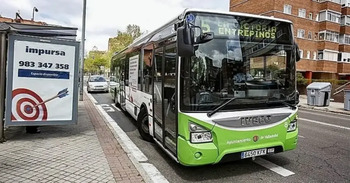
column 314, row 55
column 302, row 13
column 329, row 36
column 320, row 55
column 310, row 16
column 344, row 39
column 345, row 3
column 316, row 18
column 308, row 55
column 345, row 20
column 334, row 1
column 287, row 9
column 301, row 52
column 309, row 35
column 301, row 33
column 330, row 16
column 347, row 39
column 329, row 55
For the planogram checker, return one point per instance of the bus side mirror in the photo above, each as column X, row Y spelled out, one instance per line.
column 297, row 52
column 185, row 39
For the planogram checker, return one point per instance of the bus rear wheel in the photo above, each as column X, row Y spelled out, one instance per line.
column 142, row 123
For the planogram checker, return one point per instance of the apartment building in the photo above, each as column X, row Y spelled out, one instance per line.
column 321, row 29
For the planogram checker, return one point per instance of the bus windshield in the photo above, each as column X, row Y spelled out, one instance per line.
column 249, row 59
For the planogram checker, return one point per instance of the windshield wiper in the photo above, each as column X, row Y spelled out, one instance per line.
column 282, row 102
column 209, row 114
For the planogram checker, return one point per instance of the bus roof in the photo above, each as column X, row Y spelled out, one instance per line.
column 145, row 38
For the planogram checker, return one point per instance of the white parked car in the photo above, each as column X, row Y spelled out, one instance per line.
column 97, row 84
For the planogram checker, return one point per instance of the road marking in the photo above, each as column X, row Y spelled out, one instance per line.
column 107, row 108
column 339, row 116
column 323, row 123
column 115, row 107
column 273, row 167
column 154, row 173
column 301, row 136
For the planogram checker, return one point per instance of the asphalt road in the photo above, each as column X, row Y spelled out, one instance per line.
column 322, row 155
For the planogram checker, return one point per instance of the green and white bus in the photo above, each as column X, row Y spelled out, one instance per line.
column 209, row 86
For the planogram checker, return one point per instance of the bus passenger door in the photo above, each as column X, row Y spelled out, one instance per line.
column 164, row 97
column 169, row 99
column 158, row 94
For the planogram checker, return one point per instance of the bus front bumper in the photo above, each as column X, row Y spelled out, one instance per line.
column 209, row 153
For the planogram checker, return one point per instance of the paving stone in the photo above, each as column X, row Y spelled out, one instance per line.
column 77, row 153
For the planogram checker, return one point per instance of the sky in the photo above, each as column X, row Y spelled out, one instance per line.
column 105, row 17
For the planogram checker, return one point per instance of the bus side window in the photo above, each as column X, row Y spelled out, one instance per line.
column 126, row 74
column 147, row 71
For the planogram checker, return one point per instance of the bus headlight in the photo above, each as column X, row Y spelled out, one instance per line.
column 199, row 134
column 292, row 125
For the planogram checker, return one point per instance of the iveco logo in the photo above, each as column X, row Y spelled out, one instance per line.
column 255, row 120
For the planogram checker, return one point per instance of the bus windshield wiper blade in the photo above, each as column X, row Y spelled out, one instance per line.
column 282, row 102
column 209, row 114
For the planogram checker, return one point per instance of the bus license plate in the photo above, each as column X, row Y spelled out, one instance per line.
column 253, row 153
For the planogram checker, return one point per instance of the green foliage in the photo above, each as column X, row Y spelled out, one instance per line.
column 96, row 59
column 301, row 80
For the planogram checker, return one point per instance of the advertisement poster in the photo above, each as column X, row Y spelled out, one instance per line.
column 42, row 81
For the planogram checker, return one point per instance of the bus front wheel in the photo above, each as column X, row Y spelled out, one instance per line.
column 142, row 123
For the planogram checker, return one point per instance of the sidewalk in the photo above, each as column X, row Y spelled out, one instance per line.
column 86, row 152
column 335, row 107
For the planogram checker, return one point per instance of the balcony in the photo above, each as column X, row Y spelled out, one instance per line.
column 328, row 5
column 326, row 66
column 306, row 65
column 328, row 25
column 343, row 68
column 344, row 48
column 345, row 10
column 345, row 29
column 322, row 45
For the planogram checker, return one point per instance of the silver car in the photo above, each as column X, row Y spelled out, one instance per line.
column 97, row 84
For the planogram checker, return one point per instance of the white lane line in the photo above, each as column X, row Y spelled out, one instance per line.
column 339, row 116
column 154, row 173
column 301, row 136
column 323, row 123
column 115, row 107
column 273, row 167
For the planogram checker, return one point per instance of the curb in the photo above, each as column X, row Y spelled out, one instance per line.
column 324, row 109
column 133, row 159
column 138, row 160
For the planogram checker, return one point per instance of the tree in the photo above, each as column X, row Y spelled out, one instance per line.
column 95, row 60
column 134, row 31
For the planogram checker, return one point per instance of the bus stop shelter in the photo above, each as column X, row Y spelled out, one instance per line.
column 30, row 31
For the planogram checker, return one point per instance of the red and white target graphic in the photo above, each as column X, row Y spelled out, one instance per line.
column 25, row 106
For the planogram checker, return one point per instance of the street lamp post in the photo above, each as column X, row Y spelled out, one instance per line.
column 81, row 91
column 34, row 10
